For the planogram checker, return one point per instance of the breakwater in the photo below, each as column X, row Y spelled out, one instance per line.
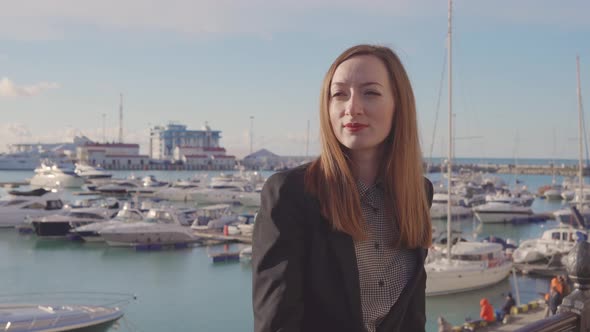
column 560, row 170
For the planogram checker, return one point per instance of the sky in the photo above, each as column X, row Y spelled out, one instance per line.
column 64, row 63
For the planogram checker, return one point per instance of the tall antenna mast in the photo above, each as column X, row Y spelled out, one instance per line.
column 121, row 119
column 580, row 134
column 450, row 152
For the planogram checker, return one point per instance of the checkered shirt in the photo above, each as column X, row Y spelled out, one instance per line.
column 383, row 270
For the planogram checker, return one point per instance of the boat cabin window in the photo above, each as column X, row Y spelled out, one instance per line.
column 467, row 257
column 54, row 205
column 555, row 236
column 86, row 215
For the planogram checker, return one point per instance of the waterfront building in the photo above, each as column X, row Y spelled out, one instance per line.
column 112, row 155
column 194, row 149
column 165, row 139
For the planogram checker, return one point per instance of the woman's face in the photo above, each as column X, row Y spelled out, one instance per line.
column 361, row 103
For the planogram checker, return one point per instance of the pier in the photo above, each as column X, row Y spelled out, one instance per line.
column 220, row 237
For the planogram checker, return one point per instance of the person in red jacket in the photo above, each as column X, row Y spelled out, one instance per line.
column 487, row 311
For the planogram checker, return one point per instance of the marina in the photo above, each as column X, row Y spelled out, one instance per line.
column 215, row 261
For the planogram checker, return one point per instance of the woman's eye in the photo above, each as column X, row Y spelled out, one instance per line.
column 372, row 93
column 337, row 94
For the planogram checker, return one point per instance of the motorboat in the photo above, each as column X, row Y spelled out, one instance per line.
column 500, row 212
column 472, row 265
column 565, row 216
column 246, row 254
column 458, row 207
column 244, row 225
column 54, row 176
column 214, row 217
column 56, row 318
column 179, row 191
column 18, row 205
column 523, row 198
column 59, row 225
column 559, row 240
column 90, row 232
column 92, row 173
column 160, row 227
column 553, row 193
column 43, row 312
column 226, row 196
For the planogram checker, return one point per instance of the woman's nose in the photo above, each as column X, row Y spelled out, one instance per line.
column 354, row 106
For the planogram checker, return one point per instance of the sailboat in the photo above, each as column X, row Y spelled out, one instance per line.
column 565, row 216
column 463, row 266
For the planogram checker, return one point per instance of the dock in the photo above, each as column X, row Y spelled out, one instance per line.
column 218, row 236
column 517, row 321
column 521, row 316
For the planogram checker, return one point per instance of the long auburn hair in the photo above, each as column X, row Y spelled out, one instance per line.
column 330, row 177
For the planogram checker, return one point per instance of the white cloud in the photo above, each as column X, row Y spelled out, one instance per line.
column 10, row 89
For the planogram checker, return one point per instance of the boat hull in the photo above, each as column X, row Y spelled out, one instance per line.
column 457, row 281
column 501, row 217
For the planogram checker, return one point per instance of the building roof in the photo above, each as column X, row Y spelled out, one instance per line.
column 194, row 156
column 126, row 156
column 112, row 145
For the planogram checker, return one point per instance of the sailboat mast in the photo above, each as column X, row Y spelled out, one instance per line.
column 450, row 150
column 580, row 135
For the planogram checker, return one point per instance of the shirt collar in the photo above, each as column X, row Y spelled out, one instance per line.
column 364, row 189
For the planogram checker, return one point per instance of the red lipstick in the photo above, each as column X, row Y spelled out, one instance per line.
column 355, row 126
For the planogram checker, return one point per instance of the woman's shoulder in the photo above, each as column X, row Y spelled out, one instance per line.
column 292, row 179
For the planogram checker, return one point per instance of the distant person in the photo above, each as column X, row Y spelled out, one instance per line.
column 555, row 299
column 337, row 241
column 563, row 279
column 508, row 304
column 486, row 311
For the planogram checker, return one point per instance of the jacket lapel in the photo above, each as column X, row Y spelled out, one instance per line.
column 392, row 321
column 343, row 247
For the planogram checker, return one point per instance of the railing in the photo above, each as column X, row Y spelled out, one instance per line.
column 562, row 322
column 574, row 312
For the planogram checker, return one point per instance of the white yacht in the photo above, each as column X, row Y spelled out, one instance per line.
column 53, row 176
column 15, row 207
column 90, row 233
column 473, row 265
column 179, row 191
column 226, row 196
column 458, row 208
column 498, row 212
column 504, row 196
column 553, row 193
column 19, row 161
column 559, row 240
column 92, row 173
column 160, row 227
column 214, row 217
column 565, row 216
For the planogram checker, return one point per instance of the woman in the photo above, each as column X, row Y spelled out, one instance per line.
column 339, row 244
